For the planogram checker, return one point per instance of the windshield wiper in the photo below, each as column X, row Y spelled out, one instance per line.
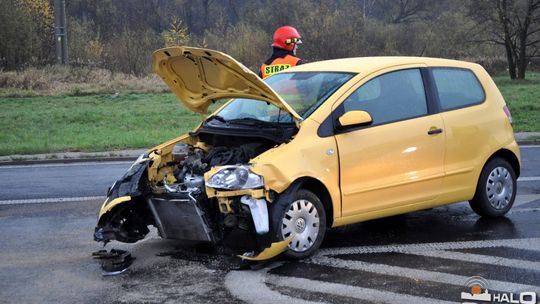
column 216, row 117
column 248, row 119
column 256, row 122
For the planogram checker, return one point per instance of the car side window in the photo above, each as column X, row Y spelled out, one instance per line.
column 457, row 88
column 390, row 97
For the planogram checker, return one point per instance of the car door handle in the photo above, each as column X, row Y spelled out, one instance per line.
column 434, row 131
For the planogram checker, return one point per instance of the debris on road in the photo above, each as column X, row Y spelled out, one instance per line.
column 114, row 262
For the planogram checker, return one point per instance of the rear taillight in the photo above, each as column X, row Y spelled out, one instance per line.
column 508, row 114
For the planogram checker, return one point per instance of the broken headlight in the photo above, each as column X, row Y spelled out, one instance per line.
column 235, row 178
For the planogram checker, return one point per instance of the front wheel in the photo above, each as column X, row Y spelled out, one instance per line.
column 496, row 189
column 302, row 219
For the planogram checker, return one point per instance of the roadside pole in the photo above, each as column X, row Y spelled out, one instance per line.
column 60, row 31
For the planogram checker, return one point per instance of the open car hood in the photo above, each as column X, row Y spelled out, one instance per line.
column 199, row 76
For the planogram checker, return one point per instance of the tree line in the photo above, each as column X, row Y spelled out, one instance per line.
column 120, row 35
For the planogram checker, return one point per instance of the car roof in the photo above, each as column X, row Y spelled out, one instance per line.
column 370, row 64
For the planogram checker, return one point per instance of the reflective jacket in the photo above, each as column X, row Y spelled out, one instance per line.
column 280, row 60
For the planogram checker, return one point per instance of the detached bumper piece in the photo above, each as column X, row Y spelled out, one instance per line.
column 274, row 250
column 113, row 262
column 178, row 216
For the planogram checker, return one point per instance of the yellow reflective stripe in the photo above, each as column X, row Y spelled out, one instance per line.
column 107, row 206
column 274, row 68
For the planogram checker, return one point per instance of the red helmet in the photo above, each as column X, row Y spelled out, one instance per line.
column 286, row 37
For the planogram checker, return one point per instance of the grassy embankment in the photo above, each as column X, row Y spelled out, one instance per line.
column 523, row 99
column 109, row 121
column 90, row 123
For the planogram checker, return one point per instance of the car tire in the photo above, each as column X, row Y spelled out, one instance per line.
column 303, row 217
column 496, row 189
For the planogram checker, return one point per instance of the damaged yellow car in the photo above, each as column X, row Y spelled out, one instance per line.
column 316, row 146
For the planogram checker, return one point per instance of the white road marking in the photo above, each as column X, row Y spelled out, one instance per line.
column 529, row 179
column 418, row 274
column 372, row 295
column 322, row 258
column 51, row 200
column 524, row 210
column 479, row 258
column 528, row 243
column 68, row 164
column 529, row 146
column 536, row 247
column 250, row 286
column 525, row 198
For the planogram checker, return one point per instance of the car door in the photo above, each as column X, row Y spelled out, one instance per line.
column 398, row 159
column 470, row 127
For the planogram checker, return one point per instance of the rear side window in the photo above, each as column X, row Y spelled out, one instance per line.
column 457, row 88
column 390, row 97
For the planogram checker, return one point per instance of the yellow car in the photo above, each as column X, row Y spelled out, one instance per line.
column 316, row 146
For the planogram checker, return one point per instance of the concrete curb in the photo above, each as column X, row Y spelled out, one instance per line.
column 528, row 138
column 67, row 157
column 523, row 138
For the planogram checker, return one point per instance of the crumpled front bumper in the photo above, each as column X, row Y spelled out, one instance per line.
column 181, row 218
column 178, row 215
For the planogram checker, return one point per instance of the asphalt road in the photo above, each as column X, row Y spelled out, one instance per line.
column 47, row 215
column 84, row 179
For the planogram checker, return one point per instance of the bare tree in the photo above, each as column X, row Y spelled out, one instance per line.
column 402, row 11
column 367, row 7
column 513, row 24
column 206, row 4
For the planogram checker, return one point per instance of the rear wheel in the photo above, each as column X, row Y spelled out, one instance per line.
column 496, row 189
column 302, row 219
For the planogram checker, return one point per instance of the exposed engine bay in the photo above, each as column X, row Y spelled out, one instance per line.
column 190, row 163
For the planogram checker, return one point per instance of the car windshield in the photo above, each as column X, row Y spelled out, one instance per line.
column 303, row 91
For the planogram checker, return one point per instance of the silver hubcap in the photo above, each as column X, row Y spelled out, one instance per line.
column 302, row 222
column 499, row 188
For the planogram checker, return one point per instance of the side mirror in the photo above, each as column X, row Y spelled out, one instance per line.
column 354, row 119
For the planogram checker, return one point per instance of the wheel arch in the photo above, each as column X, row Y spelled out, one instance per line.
column 319, row 189
column 510, row 157
column 108, row 228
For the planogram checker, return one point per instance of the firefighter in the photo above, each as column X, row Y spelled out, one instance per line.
column 285, row 42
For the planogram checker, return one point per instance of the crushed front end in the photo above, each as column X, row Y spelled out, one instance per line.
column 196, row 188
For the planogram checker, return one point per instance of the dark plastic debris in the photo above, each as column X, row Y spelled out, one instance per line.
column 114, row 262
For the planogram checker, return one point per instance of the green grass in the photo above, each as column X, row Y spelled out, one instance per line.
column 523, row 100
column 102, row 122
column 90, row 123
